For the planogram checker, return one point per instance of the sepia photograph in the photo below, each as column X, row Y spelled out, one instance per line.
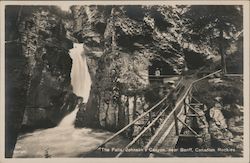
column 133, row 80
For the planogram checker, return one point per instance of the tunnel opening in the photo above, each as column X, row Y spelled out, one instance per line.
column 162, row 66
column 194, row 60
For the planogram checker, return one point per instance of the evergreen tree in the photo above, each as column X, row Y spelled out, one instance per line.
column 214, row 26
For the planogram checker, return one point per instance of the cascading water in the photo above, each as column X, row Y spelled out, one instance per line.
column 65, row 140
column 80, row 80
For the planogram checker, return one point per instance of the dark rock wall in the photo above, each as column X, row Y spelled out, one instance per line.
column 108, row 104
column 16, row 78
column 38, row 91
column 45, row 45
column 111, row 69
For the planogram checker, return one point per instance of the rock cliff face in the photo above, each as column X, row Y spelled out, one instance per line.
column 44, row 44
column 229, row 134
column 38, row 92
column 110, row 68
column 126, row 43
column 15, row 82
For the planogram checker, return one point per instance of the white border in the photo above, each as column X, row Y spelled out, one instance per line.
column 245, row 159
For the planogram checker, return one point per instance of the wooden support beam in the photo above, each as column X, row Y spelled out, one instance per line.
column 188, row 136
column 196, row 100
column 193, row 109
column 195, row 104
column 194, row 115
column 199, row 115
column 162, row 76
column 134, row 121
column 195, row 133
column 176, row 123
column 143, row 131
column 233, row 75
column 185, row 108
column 204, row 77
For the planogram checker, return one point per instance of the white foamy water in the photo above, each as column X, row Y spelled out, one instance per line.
column 69, row 119
column 65, row 140
column 80, row 77
column 80, row 80
column 59, row 142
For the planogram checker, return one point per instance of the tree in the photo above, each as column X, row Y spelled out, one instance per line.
column 214, row 26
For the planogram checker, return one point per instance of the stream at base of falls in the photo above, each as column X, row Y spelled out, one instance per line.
column 61, row 142
column 65, row 140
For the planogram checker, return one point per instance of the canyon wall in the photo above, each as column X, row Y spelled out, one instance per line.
column 38, row 91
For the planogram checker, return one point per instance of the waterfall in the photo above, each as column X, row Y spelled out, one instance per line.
column 65, row 140
column 80, row 77
column 68, row 121
column 80, row 81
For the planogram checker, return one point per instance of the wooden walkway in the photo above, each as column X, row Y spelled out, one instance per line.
column 167, row 134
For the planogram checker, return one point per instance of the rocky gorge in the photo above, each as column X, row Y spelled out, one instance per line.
column 123, row 44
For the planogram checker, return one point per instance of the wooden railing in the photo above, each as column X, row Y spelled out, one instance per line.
column 140, row 117
column 174, row 113
column 173, row 117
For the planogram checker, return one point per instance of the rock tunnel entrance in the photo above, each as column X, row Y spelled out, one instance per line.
column 163, row 67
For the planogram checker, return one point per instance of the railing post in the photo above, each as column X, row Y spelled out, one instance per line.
column 150, row 120
column 176, row 124
column 185, row 105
